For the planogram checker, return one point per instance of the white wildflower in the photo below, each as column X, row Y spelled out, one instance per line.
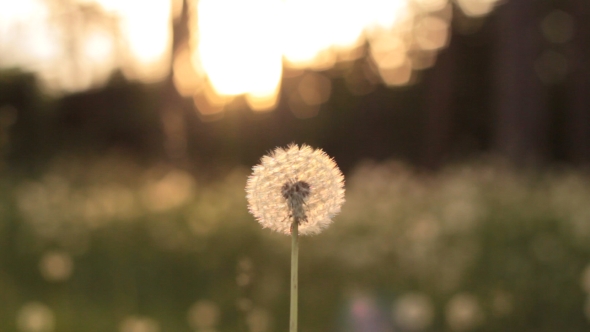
column 296, row 183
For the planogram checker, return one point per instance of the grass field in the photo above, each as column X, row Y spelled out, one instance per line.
column 104, row 244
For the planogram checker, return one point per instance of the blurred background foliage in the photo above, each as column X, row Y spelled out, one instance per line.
column 93, row 244
column 462, row 127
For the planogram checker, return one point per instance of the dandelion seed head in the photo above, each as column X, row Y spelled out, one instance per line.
column 298, row 183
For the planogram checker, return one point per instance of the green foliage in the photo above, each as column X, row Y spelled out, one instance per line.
column 484, row 247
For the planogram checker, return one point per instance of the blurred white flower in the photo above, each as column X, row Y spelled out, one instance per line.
column 463, row 312
column 203, row 315
column 258, row 320
column 35, row 317
column 170, row 192
column 56, row 265
column 296, row 182
column 413, row 311
column 139, row 324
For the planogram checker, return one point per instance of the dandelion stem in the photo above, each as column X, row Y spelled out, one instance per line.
column 294, row 271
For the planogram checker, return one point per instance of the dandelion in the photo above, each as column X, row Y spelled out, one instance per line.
column 295, row 184
column 297, row 190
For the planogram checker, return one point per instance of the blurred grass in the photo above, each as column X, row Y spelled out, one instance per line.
column 485, row 247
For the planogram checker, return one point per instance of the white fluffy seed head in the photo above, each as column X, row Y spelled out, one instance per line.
column 295, row 182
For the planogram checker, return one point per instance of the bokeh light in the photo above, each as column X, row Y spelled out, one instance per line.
column 245, row 272
column 168, row 192
column 56, row 266
column 235, row 48
column 463, row 312
column 238, row 46
column 476, row 7
column 139, row 324
column 366, row 314
column 245, row 54
column 413, row 312
column 147, row 230
column 259, row 320
column 203, row 315
column 35, row 317
column 468, row 246
column 76, row 45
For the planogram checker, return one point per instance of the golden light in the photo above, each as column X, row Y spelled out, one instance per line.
column 309, row 38
column 463, row 312
column 139, row 324
column 18, row 9
column 171, row 191
column 35, row 317
column 314, row 88
column 243, row 46
column 388, row 51
column 23, row 39
column 431, row 5
column 311, row 90
column 99, row 47
column 238, row 45
column 147, row 35
column 243, row 50
column 476, row 7
column 188, row 79
column 431, row 33
column 413, row 311
column 235, row 47
column 266, row 101
column 203, row 315
column 77, row 45
column 397, row 76
column 56, row 266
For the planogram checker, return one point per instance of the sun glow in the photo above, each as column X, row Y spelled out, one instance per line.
column 149, row 36
column 240, row 53
column 234, row 47
column 76, row 45
column 242, row 48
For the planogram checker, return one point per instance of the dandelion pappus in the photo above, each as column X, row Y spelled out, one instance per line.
column 296, row 183
column 296, row 193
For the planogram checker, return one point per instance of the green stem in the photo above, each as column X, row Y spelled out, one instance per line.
column 294, row 269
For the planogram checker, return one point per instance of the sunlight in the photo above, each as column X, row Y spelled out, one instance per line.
column 22, row 39
column 476, row 7
column 238, row 48
column 76, row 45
column 18, row 11
column 243, row 47
column 147, row 35
column 235, row 48
column 243, row 50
